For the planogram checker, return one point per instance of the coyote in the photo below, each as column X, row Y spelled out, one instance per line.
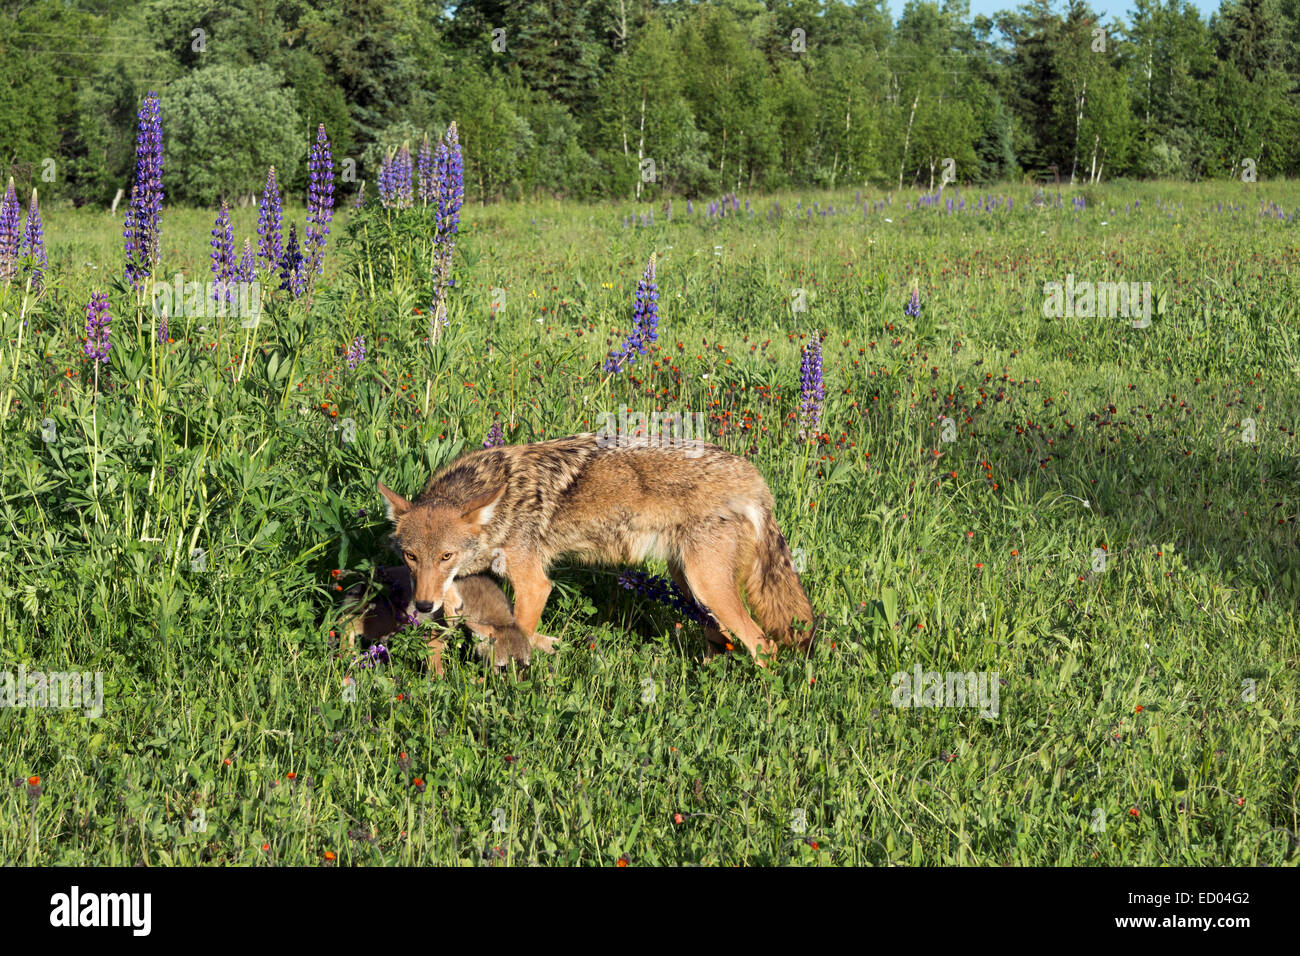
column 475, row 602
column 518, row 508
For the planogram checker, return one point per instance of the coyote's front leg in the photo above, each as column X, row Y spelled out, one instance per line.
column 532, row 587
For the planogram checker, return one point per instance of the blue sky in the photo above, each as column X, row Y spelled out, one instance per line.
column 1107, row 8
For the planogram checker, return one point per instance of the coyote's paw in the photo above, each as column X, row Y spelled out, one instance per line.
column 543, row 643
column 764, row 652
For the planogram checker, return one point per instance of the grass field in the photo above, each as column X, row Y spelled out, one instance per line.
column 1105, row 528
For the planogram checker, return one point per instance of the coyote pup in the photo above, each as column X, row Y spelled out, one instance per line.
column 476, row 602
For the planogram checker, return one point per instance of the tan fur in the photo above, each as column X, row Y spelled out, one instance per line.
column 709, row 514
column 483, row 608
column 475, row 602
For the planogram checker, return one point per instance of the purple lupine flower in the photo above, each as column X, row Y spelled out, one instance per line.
column 451, row 186
column 372, row 656
column 357, row 353
column 495, row 437
column 405, row 189
column 97, row 331
column 320, row 201
column 33, row 243
column 812, row 391
column 270, row 243
column 360, row 201
column 387, row 182
column 428, row 182
column 223, row 255
column 291, row 277
column 665, row 592
column 645, row 322
column 10, row 236
column 247, row 270
column 163, row 333
column 913, row 307
column 142, row 215
column 450, row 196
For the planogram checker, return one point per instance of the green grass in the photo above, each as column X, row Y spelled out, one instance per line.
column 1147, row 701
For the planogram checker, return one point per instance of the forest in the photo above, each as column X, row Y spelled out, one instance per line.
column 616, row 99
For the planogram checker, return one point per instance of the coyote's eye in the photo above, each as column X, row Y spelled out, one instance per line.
column 447, row 556
column 410, row 556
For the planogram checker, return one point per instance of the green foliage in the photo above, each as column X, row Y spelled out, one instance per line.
column 1149, row 711
column 211, row 108
column 1166, row 162
column 570, row 98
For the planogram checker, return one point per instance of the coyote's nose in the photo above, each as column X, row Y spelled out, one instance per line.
column 424, row 607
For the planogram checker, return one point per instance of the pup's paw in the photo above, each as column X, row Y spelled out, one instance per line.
column 543, row 643
column 505, row 646
column 513, row 646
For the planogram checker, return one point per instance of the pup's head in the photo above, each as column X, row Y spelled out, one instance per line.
column 438, row 539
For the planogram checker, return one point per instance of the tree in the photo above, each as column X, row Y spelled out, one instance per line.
column 493, row 136
column 932, row 120
column 357, row 42
column 211, row 108
column 731, row 94
column 643, row 115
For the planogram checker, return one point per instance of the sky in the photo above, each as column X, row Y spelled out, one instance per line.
column 1107, row 8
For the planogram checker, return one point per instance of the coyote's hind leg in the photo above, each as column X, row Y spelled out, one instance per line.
column 712, row 579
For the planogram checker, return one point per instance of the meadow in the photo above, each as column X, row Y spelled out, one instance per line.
column 1100, row 518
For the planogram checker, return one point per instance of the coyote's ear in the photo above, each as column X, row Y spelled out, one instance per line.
column 479, row 511
column 394, row 503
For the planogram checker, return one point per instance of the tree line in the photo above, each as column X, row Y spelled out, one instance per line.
column 647, row 98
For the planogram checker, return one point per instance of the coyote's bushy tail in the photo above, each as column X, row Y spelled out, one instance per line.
column 775, row 595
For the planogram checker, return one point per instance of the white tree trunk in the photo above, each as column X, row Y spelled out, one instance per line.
column 640, row 145
column 907, row 139
column 1078, row 121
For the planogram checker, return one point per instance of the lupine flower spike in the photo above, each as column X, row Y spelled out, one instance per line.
column 142, row 215
column 357, row 353
column 913, row 307
column 812, row 391
column 97, row 330
column 223, row 256
column 33, row 243
column 291, row 277
column 270, row 243
column 450, row 194
column 645, row 322
column 9, row 234
column 320, row 201
column 665, row 592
